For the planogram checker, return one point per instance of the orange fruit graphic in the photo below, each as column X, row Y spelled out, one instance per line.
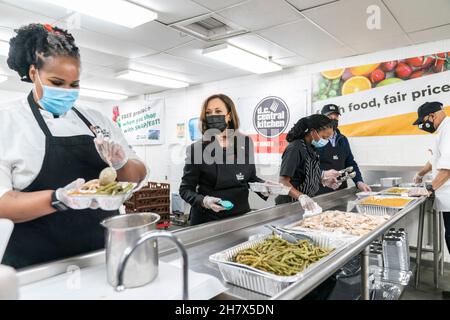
column 333, row 74
column 363, row 70
column 356, row 84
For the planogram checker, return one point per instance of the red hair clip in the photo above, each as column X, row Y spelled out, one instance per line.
column 48, row 27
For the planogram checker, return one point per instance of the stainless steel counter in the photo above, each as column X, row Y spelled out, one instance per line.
column 202, row 241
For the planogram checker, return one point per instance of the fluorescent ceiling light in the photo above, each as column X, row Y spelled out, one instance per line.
column 4, row 48
column 116, row 11
column 3, row 78
column 99, row 94
column 152, row 79
column 241, row 59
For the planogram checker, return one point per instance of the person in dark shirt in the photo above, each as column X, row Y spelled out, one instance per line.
column 300, row 168
column 220, row 166
column 337, row 154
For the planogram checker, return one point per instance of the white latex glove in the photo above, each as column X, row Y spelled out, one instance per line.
column 363, row 187
column 330, row 174
column 211, row 203
column 77, row 203
column 267, row 194
column 307, row 203
column 111, row 152
column 417, row 178
column 329, row 179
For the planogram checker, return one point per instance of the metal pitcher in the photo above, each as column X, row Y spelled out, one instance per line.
column 122, row 232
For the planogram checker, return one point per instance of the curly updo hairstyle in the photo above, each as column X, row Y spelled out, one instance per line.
column 36, row 41
column 304, row 126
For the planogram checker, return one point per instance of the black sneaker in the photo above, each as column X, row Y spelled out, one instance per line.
column 446, row 295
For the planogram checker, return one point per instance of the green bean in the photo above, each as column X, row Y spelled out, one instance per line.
column 277, row 256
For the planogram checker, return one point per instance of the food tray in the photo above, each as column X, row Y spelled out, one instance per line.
column 254, row 279
column 365, row 194
column 381, row 210
column 323, row 238
column 390, row 192
column 104, row 202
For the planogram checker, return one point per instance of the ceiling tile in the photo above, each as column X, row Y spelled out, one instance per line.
column 38, row 7
column 353, row 29
column 415, row 15
column 218, row 4
column 305, row 39
column 261, row 14
column 382, row 43
column 12, row 17
column 173, row 10
column 99, row 58
column 173, row 63
column 307, row 4
column 153, row 35
column 433, row 34
column 106, row 44
column 257, row 45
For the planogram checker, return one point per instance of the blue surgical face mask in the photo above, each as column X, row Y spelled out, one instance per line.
column 319, row 144
column 57, row 100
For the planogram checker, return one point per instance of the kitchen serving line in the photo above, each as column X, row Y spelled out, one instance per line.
column 205, row 240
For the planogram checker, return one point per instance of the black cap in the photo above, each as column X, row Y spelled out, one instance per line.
column 426, row 109
column 330, row 108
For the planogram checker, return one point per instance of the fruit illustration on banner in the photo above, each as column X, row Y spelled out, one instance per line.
column 389, row 82
column 356, row 84
column 364, row 70
column 377, row 76
column 343, row 81
column 333, row 74
column 403, row 70
column 388, row 66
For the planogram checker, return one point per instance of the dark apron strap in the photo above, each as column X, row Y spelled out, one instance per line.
column 37, row 115
column 83, row 118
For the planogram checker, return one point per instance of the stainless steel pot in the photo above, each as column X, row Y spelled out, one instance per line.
column 391, row 181
column 123, row 231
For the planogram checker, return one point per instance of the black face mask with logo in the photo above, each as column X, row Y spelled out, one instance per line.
column 427, row 126
column 216, row 122
column 335, row 124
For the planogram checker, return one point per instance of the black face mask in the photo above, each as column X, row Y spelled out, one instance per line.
column 216, row 122
column 427, row 126
column 335, row 124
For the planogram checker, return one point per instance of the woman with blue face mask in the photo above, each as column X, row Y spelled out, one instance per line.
column 46, row 143
column 300, row 165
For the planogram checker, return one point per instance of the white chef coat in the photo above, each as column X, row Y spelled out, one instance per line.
column 441, row 160
column 22, row 142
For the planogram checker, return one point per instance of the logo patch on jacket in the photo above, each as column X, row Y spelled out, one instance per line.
column 240, row 176
column 335, row 157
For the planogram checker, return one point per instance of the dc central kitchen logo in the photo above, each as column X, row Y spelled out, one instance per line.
column 271, row 117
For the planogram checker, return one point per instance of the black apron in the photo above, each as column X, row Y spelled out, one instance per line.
column 231, row 184
column 332, row 158
column 312, row 180
column 60, row 234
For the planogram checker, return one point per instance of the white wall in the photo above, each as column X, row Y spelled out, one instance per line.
column 185, row 103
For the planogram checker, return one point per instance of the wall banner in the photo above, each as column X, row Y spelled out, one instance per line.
column 141, row 122
column 381, row 99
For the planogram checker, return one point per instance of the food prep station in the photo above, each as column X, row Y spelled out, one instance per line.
column 205, row 240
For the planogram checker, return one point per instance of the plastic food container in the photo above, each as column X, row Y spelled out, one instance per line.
column 365, row 194
column 268, row 187
column 104, row 202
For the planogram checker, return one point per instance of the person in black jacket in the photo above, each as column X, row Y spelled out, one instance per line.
column 220, row 166
column 337, row 154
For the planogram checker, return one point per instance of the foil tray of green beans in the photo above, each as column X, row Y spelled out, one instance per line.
column 269, row 264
